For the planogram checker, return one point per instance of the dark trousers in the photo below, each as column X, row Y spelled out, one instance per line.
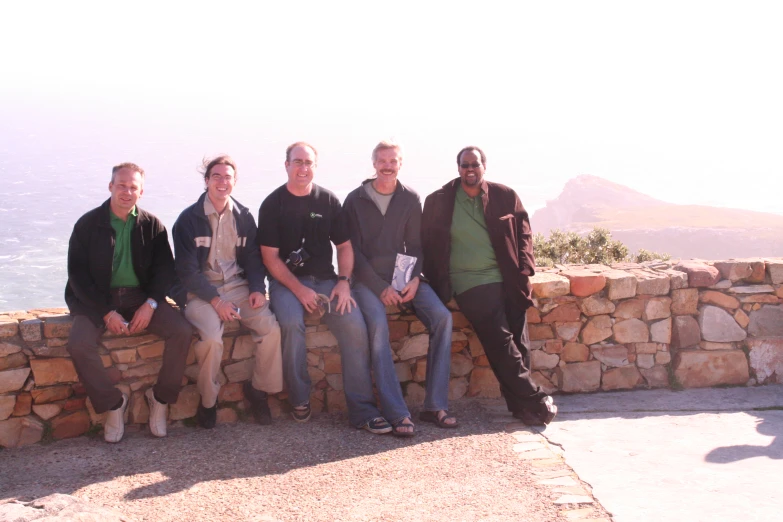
column 502, row 330
column 166, row 322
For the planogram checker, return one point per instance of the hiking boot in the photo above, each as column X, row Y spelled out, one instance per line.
column 544, row 412
column 114, row 427
column 158, row 412
column 259, row 404
column 206, row 417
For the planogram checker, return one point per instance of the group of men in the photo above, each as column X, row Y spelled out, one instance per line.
column 472, row 241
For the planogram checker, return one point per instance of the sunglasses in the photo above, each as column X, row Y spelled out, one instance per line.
column 469, row 165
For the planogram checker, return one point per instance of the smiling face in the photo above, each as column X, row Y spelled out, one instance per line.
column 388, row 163
column 471, row 170
column 126, row 187
column 220, row 183
column 300, row 168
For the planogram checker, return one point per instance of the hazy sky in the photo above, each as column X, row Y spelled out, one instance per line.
column 680, row 100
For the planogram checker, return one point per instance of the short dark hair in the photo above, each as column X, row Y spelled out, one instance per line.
column 223, row 159
column 299, row 144
column 472, row 147
column 126, row 165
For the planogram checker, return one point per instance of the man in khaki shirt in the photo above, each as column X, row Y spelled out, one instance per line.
column 220, row 268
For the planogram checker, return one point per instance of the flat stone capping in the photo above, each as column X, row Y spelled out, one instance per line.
column 592, row 328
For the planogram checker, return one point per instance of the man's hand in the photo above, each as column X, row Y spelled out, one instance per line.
column 409, row 292
column 308, row 297
column 257, row 299
column 390, row 297
column 226, row 310
column 115, row 323
column 342, row 290
column 141, row 319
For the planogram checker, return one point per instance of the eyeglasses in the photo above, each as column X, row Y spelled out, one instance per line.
column 218, row 178
column 303, row 163
column 474, row 165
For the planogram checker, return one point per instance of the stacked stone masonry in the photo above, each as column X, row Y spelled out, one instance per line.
column 592, row 328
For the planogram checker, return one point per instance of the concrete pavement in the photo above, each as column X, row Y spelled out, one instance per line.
column 697, row 455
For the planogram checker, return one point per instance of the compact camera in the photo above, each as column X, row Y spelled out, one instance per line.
column 297, row 257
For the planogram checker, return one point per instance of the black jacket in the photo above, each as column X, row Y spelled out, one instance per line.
column 509, row 232
column 91, row 255
column 191, row 257
column 377, row 239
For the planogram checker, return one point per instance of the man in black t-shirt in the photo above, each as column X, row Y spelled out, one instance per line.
column 298, row 223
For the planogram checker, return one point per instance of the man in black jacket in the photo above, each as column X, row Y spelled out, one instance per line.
column 219, row 265
column 120, row 268
column 385, row 217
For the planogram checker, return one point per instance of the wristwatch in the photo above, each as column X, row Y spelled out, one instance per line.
column 344, row 278
column 153, row 303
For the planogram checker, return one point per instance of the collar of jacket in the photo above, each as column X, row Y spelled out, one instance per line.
column 105, row 220
column 452, row 186
column 398, row 189
column 237, row 208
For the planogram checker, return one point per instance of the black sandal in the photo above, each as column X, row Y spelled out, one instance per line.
column 432, row 416
column 398, row 433
column 377, row 426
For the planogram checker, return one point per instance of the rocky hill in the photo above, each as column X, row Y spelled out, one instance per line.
column 640, row 221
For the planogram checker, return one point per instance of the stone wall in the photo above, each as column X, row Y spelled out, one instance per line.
column 692, row 324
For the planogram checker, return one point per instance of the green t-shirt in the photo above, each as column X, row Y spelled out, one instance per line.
column 122, row 273
column 473, row 260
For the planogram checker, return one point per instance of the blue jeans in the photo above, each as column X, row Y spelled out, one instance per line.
column 351, row 334
column 437, row 319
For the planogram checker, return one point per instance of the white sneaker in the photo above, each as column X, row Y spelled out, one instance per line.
column 158, row 413
column 114, row 427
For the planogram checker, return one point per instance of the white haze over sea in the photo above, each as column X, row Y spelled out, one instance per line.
column 679, row 100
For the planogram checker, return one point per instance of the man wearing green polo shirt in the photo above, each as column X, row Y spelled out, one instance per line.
column 120, row 269
column 478, row 248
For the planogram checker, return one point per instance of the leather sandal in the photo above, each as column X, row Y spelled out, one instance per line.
column 377, row 426
column 397, row 429
column 440, row 422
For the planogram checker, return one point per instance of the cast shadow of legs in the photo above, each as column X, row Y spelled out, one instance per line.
column 770, row 422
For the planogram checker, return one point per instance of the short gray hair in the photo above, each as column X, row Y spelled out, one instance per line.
column 384, row 145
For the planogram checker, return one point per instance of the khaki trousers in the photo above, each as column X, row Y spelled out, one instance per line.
column 264, row 330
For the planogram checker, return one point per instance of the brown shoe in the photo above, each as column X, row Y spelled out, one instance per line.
column 543, row 414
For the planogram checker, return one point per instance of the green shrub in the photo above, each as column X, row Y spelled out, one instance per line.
column 597, row 247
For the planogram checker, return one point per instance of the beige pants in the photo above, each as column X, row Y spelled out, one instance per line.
column 264, row 330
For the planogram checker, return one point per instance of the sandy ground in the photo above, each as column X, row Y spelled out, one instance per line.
column 322, row 470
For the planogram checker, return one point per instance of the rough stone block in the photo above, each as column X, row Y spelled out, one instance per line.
column 320, row 340
column 20, row 431
column 333, row 363
column 629, row 309
column 543, row 382
column 645, row 360
column 546, row 284
column 461, row 365
column 540, row 331
column 116, row 343
column 415, row 346
column 316, row 375
column 31, row 330
column 709, row 345
column 620, row 285
column 719, row 299
column 151, row 351
column 139, row 409
column 700, row 275
column 657, row 308
column 151, row 368
column 766, row 359
column 575, row 352
column 7, row 349
column 685, row 332
column 614, row 355
column 244, row 347
column 553, row 346
column 414, row 394
column 734, row 270
column 752, row 289
column 540, row 360
column 124, row 356
column 240, row 371
column 597, row 329
column 661, row 331
column 663, row 358
column 51, row 394
column 226, row 416
column 187, row 403
column 457, row 388
column 474, row 345
column 458, row 320
column 568, row 331
column 685, row 301
column 585, row 282
column 335, row 401
column 397, row 330
column 335, row 381
column 57, row 326
column 699, row 368
column 649, row 282
column 47, row 411
column 624, row 378
column 580, row 377
column 13, row 380
column 719, row 326
column 8, row 328
column 760, row 298
column 7, row 404
column 71, row 425
column 647, row 347
column 677, row 279
column 656, row 377
column 631, row 331
column 483, row 383
column 563, row 313
column 766, row 322
column 533, row 315
column 16, row 360
column 595, row 305
column 775, row 271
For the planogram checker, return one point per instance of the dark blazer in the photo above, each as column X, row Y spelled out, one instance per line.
column 190, row 230
column 508, row 226
column 91, row 256
column 377, row 239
